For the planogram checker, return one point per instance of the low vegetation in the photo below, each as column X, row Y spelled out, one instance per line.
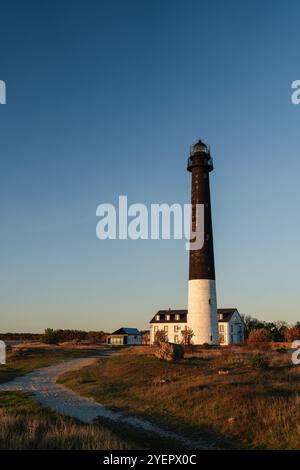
column 278, row 330
column 237, row 397
column 170, row 352
column 59, row 336
column 26, row 425
column 22, row 360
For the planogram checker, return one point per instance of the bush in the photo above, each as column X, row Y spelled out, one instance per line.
column 258, row 361
column 293, row 333
column 170, row 352
column 50, row 336
column 262, row 335
column 282, row 351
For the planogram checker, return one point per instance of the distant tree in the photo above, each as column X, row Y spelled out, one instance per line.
column 261, row 335
column 96, row 336
column 187, row 336
column 276, row 329
column 19, row 336
column 145, row 337
column 293, row 333
column 275, row 333
column 50, row 336
column 281, row 324
column 251, row 323
column 159, row 337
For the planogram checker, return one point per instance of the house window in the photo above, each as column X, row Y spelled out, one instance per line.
column 176, row 339
column 157, row 317
column 155, row 328
column 167, row 317
column 176, row 328
column 117, row 340
column 166, row 328
column 209, row 301
column 177, row 317
column 221, row 328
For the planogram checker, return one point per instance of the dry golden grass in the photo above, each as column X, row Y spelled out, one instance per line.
column 25, row 425
column 244, row 407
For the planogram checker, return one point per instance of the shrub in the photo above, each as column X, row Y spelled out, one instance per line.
column 50, row 336
column 160, row 337
column 170, row 352
column 187, row 336
column 258, row 361
column 262, row 335
column 293, row 333
column 281, row 350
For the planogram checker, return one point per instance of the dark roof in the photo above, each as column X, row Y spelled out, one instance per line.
column 126, row 331
column 227, row 314
column 172, row 313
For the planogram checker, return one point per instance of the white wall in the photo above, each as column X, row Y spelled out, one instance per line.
column 171, row 333
column 234, row 330
column 202, row 311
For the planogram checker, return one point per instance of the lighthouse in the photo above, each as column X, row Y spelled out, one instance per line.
column 202, row 300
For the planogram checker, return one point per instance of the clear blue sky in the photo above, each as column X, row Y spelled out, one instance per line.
column 104, row 98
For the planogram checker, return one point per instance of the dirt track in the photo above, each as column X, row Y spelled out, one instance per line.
column 42, row 384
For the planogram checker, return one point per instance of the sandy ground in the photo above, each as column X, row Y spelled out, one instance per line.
column 42, row 384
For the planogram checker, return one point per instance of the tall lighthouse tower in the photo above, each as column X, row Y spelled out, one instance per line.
column 202, row 301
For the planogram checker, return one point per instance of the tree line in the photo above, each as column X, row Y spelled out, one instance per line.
column 278, row 331
column 51, row 336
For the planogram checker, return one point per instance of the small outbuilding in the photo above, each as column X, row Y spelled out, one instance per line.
column 128, row 336
column 231, row 326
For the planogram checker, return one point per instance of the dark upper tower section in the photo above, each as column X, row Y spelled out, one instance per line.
column 200, row 164
column 200, row 156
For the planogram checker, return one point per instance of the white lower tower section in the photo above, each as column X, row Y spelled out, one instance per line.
column 202, row 315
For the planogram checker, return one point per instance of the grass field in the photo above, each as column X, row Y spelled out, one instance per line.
column 24, row 360
column 26, row 425
column 234, row 396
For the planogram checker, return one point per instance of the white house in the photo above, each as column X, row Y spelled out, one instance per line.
column 128, row 336
column 173, row 322
column 231, row 326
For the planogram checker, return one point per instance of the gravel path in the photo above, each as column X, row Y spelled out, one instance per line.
column 42, row 384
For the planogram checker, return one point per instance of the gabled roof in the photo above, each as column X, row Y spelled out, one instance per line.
column 227, row 314
column 163, row 313
column 126, row 331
